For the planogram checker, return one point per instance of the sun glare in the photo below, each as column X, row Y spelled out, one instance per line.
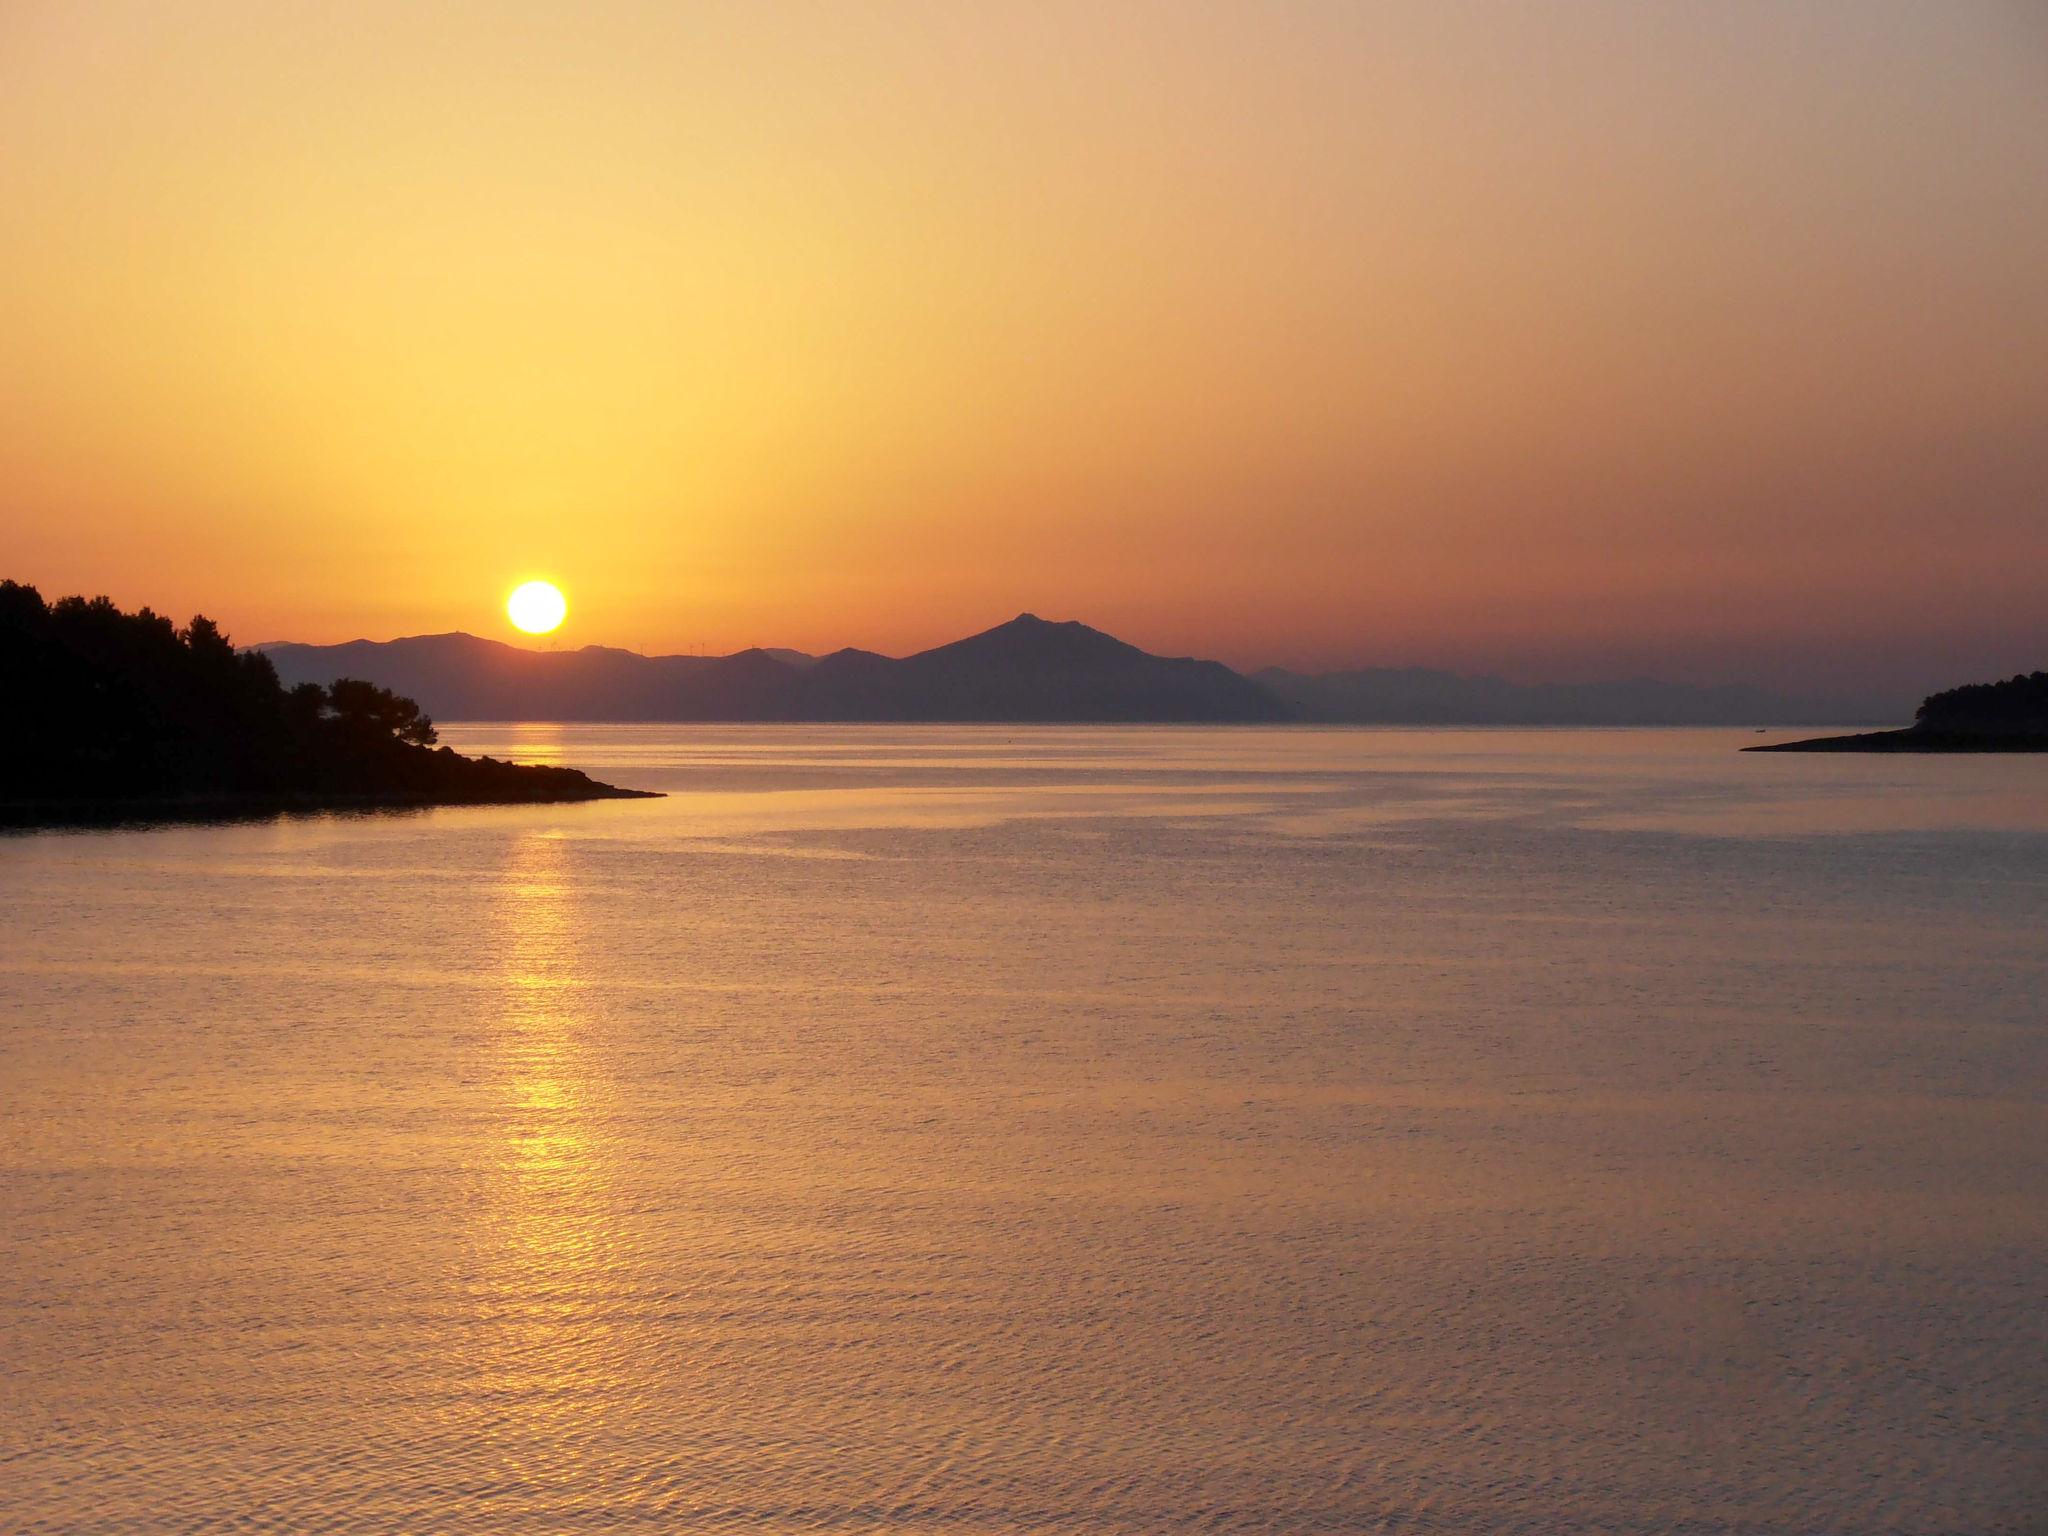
column 537, row 607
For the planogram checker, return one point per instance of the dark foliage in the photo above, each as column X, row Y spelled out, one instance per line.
column 2017, row 706
column 2011, row 716
column 106, row 706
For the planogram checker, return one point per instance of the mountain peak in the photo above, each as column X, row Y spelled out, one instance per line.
column 1029, row 641
column 1027, row 668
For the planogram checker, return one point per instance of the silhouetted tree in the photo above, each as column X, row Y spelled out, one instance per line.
column 106, row 704
column 365, row 709
column 2019, row 705
column 104, row 707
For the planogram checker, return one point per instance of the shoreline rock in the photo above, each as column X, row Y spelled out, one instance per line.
column 576, row 788
column 1912, row 739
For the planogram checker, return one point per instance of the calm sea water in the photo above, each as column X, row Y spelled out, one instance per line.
column 990, row 1130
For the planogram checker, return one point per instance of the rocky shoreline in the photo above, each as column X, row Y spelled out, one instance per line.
column 1912, row 739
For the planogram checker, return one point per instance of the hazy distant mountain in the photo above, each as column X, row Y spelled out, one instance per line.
column 1025, row 670
column 1420, row 696
column 1029, row 669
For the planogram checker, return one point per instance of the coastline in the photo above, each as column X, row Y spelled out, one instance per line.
column 47, row 813
column 1911, row 739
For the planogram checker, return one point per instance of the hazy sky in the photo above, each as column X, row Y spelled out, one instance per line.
column 1562, row 340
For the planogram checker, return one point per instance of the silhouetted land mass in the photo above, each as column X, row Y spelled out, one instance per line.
column 1029, row 669
column 2011, row 716
column 110, row 712
column 1026, row 670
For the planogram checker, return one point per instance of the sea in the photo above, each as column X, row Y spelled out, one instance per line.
column 1002, row 1129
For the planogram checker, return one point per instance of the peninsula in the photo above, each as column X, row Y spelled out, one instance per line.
column 116, row 715
column 2011, row 716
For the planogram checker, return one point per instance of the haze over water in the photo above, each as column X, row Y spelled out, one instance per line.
column 988, row 1129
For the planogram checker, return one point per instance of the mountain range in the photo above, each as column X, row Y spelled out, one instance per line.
column 1029, row 669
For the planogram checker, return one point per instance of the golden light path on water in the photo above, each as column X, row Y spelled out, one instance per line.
column 550, row 1219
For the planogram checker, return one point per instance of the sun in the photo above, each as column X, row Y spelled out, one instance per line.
column 537, row 607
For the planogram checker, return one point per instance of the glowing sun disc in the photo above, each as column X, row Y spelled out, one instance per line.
column 537, row 607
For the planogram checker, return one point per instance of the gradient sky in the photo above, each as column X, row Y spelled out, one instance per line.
column 1567, row 341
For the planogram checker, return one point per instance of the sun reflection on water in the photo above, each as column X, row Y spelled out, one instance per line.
column 541, row 1047
column 550, row 1222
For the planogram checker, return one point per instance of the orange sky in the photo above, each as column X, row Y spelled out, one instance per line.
column 1569, row 340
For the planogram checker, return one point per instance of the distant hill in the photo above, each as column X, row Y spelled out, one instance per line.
column 1029, row 669
column 1419, row 696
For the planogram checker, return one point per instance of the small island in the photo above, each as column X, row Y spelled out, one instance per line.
column 2011, row 716
column 119, row 716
